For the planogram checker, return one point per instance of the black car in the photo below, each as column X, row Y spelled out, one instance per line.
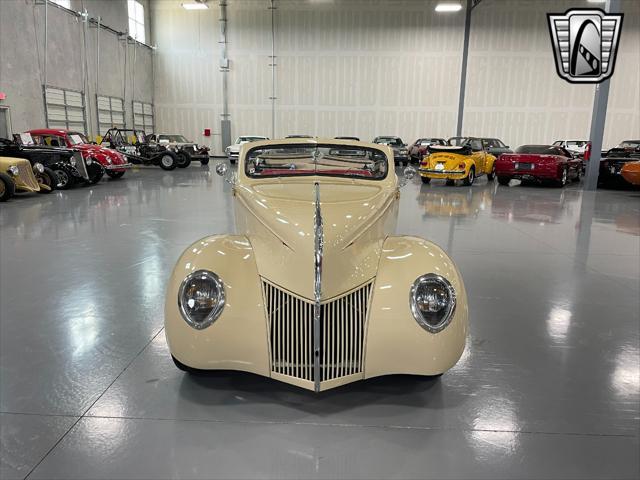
column 62, row 167
column 186, row 150
column 495, row 146
column 400, row 150
column 610, row 166
column 135, row 145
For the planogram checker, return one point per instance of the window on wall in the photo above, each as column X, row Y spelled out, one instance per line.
column 143, row 117
column 110, row 113
column 136, row 20
column 63, row 3
column 65, row 109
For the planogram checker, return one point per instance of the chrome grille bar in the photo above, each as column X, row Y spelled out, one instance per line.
column 25, row 173
column 317, row 286
column 340, row 338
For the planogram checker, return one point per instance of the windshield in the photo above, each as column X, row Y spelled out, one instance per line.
column 77, row 138
column 388, row 140
column 630, row 144
column 458, row 141
column 576, row 143
column 172, row 139
column 329, row 160
column 249, row 139
column 538, row 149
column 430, row 141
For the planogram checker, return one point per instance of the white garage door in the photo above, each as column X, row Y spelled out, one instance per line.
column 65, row 109
column 110, row 113
column 143, row 117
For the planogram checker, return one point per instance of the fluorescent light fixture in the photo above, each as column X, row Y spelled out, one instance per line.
column 195, row 6
column 448, row 7
column 596, row 1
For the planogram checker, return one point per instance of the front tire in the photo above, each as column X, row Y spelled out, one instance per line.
column 231, row 161
column 450, row 183
column 184, row 160
column 168, row 161
column 48, row 178
column 204, row 161
column 96, row 172
column 504, row 181
column 425, row 180
column 115, row 175
column 564, row 176
column 491, row 175
column 7, row 187
column 470, row 178
column 65, row 181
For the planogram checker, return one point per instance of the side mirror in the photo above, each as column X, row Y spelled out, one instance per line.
column 408, row 175
column 221, row 169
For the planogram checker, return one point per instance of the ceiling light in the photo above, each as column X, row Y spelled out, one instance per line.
column 596, row 1
column 195, row 6
column 448, row 7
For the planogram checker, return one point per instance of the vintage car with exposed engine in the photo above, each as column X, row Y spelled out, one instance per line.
column 233, row 151
column 400, row 150
column 464, row 158
column 315, row 289
column 113, row 163
column 135, row 146
column 539, row 163
column 610, row 172
column 63, row 167
column 418, row 149
column 18, row 175
column 186, row 150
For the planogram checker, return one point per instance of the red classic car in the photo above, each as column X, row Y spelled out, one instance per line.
column 539, row 163
column 418, row 149
column 114, row 163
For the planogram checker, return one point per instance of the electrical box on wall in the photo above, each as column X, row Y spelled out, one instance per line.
column 207, row 132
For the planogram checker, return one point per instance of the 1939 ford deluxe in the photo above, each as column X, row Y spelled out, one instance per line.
column 315, row 290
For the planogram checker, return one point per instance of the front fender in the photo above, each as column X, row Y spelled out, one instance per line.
column 237, row 340
column 396, row 343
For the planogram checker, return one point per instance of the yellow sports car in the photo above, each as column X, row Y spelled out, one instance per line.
column 314, row 289
column 17, row 175
column 463, row 159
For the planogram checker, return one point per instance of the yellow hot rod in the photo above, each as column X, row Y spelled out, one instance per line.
column 17, row 175
column 463, row 159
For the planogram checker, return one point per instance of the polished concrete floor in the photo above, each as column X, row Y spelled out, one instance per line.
column 547, row 388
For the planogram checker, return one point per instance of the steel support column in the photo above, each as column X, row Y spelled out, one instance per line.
column 598, row 117
column 225, row 122
column 463, row 72
column 273, row 66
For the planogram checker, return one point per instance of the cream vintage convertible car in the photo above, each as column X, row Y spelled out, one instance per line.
column 314, row 289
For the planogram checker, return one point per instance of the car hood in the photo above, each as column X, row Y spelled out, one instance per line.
column 279, row 221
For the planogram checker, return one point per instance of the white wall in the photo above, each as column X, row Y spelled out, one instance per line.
column 366, row 68
column 22, row 58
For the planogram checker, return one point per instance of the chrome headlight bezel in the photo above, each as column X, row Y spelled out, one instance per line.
column 216, row 311
column 73, row 162
column 449, row 309
column 13, row 170
column 88, row 161
column 38, row 167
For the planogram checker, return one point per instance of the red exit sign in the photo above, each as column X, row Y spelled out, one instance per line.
column 3, row 96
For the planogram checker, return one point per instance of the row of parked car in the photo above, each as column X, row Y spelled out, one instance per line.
column 43, row 160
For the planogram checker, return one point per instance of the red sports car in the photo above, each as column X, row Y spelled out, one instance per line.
column 418, row 149
column 114, row 163
column 539, row 163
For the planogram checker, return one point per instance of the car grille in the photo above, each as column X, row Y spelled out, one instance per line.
column 342, row 323
column 25, row 173
column 81, row 166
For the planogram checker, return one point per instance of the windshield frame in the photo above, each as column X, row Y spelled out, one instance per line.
column 82, row 136
column 315, row 146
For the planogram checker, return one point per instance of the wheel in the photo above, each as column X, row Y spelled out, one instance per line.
column 578, row 176
column 115, row 175
column 7, row 187
column 564, row 176
column 185, row 368
column 96, row 172
column 470, row 178
column 204, row 161
column 64, row 180
column 48, row 178
column 184, row 159
column 504, row 180
column 425, row 179
column 450, row 183
column 168, row 161
column 232, row 161
column 492, row 174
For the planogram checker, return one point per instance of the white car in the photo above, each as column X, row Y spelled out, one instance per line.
column 233, row 151
column 577, row 147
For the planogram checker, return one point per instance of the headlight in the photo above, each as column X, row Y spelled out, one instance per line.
column 38, row 167
column 72, row 161
column 89, row 161
column 13, row 170
column 201, row 299
column 433, row 302
column 109, row 160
